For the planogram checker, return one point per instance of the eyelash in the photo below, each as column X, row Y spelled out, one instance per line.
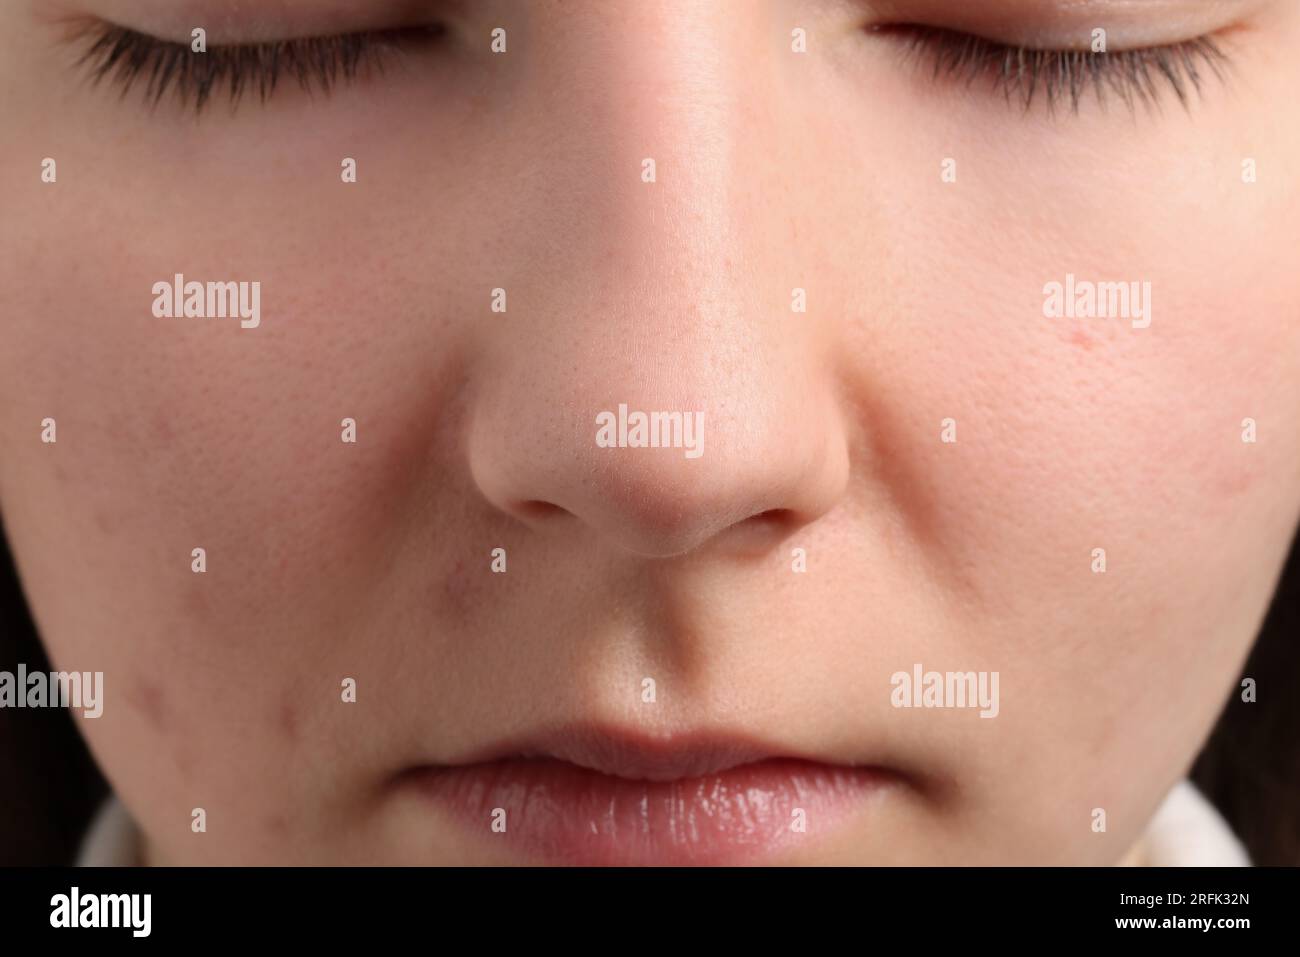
column 1136, row 76
column 123, row 57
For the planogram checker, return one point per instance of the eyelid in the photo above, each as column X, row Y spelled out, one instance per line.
column 263, row 21
column 1069, row 24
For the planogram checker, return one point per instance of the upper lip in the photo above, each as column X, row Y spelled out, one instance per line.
column 635, row 755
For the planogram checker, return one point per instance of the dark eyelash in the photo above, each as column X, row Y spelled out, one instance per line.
column 1135, row 76
column 123, row 57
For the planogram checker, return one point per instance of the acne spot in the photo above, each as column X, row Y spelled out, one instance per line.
column 1233, row 484
column 458, row 593
column 1081, row 341
column 105, row 522
column 288, row 722
column 150, row 700
column 162, row 429
column 197, row 606
column 183, row 757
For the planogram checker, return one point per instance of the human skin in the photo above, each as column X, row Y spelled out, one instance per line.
column 523, row 171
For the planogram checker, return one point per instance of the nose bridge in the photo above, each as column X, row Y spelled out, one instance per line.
column 659, row 93
column 655, row 288
column 674, row 196
column 687, row 119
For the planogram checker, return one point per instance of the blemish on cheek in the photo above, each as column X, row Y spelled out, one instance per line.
column 105, row 521
column 1234, row 483
column 150, row 700
column 457, row 593
column 288, row 722
column 1080, row 340
column 183, row 758
column 197, row 605
column 162, row 429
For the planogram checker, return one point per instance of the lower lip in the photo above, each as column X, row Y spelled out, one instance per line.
column 558, row 813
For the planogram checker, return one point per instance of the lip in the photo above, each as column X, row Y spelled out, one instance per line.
column 605, row 797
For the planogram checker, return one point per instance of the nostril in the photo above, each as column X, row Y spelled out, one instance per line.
column 760, row 532
column 774, row 518
column 537, row 510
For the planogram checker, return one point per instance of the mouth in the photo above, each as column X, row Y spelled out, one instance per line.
column 605, row 797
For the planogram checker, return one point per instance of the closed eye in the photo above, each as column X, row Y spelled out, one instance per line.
column 130, row 59
column 1065, row 77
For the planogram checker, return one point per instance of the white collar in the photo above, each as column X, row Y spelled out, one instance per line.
column 112, row 840
column 1187, row 831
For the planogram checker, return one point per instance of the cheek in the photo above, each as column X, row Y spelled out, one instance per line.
column 1077, row 433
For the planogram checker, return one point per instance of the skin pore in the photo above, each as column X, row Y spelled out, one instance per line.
column 823, row 429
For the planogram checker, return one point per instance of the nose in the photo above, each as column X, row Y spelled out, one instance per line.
column 650, row 382
column 745, row 458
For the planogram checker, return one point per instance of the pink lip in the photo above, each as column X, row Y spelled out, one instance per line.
column 608, row 798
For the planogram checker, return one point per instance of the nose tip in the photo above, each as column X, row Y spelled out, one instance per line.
column 748, row 488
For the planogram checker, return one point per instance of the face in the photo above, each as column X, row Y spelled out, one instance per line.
column 450, row 609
